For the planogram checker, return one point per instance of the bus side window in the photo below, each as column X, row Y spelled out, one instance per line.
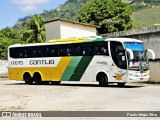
column 20, row 51
column 101, row 48
column 74, row 50
column 47, row 51
column 83, row 51
column 26, row 52
column 78, row 50
column 60, row 51
column 34, row 53
column 98, row 51
column 52, row 51
column 40, row 52
column 104, row 50
column 69, row 51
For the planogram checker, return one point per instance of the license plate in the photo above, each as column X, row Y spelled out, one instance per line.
column 141, row 78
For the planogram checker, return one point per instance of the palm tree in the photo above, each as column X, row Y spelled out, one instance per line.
column 35, row 32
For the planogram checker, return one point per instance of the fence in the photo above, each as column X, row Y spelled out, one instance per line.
column 132, row 32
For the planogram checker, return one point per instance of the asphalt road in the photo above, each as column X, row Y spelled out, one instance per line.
column 75, row 96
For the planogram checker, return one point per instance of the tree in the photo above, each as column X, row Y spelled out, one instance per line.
column 10, row 33
column 111, row 15
column 8, row 36
column 35, row 32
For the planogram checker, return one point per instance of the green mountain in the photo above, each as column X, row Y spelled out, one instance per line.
column 70, row 9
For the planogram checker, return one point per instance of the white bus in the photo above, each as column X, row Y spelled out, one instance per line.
column 103, row 60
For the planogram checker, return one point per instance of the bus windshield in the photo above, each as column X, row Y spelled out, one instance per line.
column 140, row 61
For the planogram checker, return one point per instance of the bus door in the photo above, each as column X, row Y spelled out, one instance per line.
column 118, row 68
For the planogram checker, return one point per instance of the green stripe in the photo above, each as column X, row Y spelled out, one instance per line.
column 80, row 69
column 95, row 40
column 99, row 39
column 70, row 68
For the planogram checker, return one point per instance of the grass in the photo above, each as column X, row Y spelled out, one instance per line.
column 146, row 17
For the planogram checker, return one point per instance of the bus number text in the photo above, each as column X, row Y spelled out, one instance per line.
column 16, row 62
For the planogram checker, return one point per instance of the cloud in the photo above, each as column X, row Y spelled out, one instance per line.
column 29, row 5
column 28, row 8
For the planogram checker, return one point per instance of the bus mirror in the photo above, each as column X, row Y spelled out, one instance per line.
column 152, row 53
column 131, row 56
column 130, row 53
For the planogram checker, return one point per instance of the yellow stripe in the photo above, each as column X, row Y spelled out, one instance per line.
column 47, row 73
column 79, row 41
column 62, row 65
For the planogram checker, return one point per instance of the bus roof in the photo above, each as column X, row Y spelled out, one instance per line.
column 124, row 40
column 78, row 40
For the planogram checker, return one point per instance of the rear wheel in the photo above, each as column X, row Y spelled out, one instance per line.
column 102, row 79
column 27, row 78
column 37, row 80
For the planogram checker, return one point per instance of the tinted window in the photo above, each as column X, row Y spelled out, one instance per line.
column 77, row 49
column 118, row 54
column 101, row 48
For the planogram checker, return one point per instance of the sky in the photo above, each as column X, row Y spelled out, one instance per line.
column 12, row 10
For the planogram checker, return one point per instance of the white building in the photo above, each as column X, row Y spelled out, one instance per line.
column 60, row 28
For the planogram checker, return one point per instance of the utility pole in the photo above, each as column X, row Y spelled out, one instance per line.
column 59, row 11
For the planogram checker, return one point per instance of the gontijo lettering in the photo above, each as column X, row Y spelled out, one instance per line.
column 41, row 62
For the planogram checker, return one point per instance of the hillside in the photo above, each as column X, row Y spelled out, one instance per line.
column 70, row 9
column 146, row 17
column 67, row 11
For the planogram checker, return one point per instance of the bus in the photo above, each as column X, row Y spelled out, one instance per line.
column 103, row 60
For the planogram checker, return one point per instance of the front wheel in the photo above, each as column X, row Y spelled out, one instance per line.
column 103, row 80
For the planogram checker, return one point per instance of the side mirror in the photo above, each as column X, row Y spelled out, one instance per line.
column 152, row 53
column 131, row 56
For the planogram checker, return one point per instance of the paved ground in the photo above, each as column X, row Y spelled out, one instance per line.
column 17, row 96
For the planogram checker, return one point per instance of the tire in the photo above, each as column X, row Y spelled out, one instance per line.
column 27, row 78
column 121, row 84
column 37, row 80
column 55, row 82
column 103, row 80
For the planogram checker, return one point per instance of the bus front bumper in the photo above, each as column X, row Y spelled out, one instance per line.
column 138, row 79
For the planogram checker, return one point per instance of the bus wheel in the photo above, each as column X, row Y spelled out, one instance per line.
column 121, row 84
column 37, row 80
column 55, row 82
column 27, row 78
column 102, row 79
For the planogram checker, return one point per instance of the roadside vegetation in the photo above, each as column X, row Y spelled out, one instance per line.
column 34, row 32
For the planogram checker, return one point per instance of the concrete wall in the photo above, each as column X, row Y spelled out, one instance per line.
column 52, row 30
column 3, row 67
column 63, row 29
column 154, row 71
column 70, row 30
